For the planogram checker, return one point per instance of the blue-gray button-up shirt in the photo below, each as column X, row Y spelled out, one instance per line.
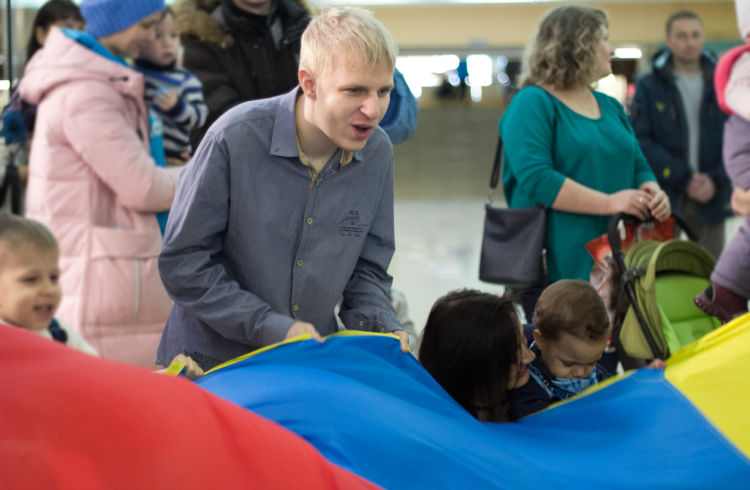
column 253, row 244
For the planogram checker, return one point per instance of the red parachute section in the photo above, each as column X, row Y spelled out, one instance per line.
column 70, row 420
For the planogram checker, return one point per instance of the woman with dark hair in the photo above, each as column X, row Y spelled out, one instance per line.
column 473, row 345
column 570, row 148
column 55, row 13
column 18, row 115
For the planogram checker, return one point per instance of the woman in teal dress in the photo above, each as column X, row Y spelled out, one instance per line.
column 571, row 148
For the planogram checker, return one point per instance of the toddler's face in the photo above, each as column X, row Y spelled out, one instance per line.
column 163, row 50
column 570, row 357
column 29, row 289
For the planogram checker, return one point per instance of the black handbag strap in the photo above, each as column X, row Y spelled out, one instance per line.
column 495, row 176
column 11, row 185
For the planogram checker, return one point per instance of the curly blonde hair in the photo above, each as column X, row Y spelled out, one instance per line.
column 563, row 50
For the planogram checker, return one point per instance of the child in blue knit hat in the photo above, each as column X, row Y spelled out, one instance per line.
column 171, row 91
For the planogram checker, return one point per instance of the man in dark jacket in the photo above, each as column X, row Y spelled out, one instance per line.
column 679, row 125
column 241, row 50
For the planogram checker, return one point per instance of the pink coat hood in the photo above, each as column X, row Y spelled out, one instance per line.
column 93, row 182
column 732, row 81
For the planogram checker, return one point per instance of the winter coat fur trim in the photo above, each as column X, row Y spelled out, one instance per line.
column 195, row 18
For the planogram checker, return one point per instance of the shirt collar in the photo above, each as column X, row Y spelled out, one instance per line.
column 284, row 141
column 346, row 156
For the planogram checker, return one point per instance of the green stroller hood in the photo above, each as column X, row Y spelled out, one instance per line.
column 669, row 274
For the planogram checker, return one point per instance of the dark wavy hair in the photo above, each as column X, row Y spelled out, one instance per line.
column 563, row 50
column 49, row 13
column 469, row 345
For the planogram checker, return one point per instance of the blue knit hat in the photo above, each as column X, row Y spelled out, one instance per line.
column 106, row 17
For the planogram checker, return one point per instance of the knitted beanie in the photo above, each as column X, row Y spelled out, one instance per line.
column 743, row 16
column 107, row 17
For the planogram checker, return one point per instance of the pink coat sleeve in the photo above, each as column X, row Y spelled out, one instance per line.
column 737, row 92
column 101, row 126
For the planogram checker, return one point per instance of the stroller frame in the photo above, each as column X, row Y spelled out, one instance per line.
column 629, row 275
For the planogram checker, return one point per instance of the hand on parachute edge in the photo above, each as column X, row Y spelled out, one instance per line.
column 299, row 328
column 403, row 337
column 656, row 364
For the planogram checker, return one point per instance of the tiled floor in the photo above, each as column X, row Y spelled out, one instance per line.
column 441, row 182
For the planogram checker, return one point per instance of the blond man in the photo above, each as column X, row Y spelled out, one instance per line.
column 287, row 206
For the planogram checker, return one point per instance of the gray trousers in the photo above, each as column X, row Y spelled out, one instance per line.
column 710, row 235
column 733, row 268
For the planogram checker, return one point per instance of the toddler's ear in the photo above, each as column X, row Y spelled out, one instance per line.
column 538, row 337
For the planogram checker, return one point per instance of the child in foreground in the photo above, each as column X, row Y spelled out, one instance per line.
column 572, row 328
column 30, row 290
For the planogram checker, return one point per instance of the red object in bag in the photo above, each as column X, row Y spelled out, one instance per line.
column 631, row 232
column 601, row 251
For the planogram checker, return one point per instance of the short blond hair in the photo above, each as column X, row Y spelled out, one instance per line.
column 349, row 31
column 18, row 232
column 563, row 50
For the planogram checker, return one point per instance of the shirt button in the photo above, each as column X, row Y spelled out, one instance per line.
column 299, row 262
column 309, row 221
column 295, row 307
column 361, row 323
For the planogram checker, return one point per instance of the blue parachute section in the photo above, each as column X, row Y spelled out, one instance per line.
column 375, row 411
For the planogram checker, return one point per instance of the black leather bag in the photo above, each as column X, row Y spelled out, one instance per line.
column 513, row 244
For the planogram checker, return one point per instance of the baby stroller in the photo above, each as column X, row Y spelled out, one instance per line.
column 659, row 281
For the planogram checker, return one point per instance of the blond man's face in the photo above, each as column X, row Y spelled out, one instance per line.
column 349, row 101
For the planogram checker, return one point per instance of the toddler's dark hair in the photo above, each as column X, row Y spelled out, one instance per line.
column 571, row 306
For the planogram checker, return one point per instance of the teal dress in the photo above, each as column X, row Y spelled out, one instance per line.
column 545, row 142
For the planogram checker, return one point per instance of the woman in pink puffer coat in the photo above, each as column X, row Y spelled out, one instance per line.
column 93, row 182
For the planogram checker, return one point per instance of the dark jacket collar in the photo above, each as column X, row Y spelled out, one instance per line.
column 233, row 17
column 147, row 65
column 662, row 65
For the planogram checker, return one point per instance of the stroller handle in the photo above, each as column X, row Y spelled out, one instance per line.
column 614, row 242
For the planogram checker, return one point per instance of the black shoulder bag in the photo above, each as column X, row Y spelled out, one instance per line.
column 514, row 240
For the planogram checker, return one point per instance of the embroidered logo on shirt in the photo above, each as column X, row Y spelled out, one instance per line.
column 660, row 106
column 350, row 226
